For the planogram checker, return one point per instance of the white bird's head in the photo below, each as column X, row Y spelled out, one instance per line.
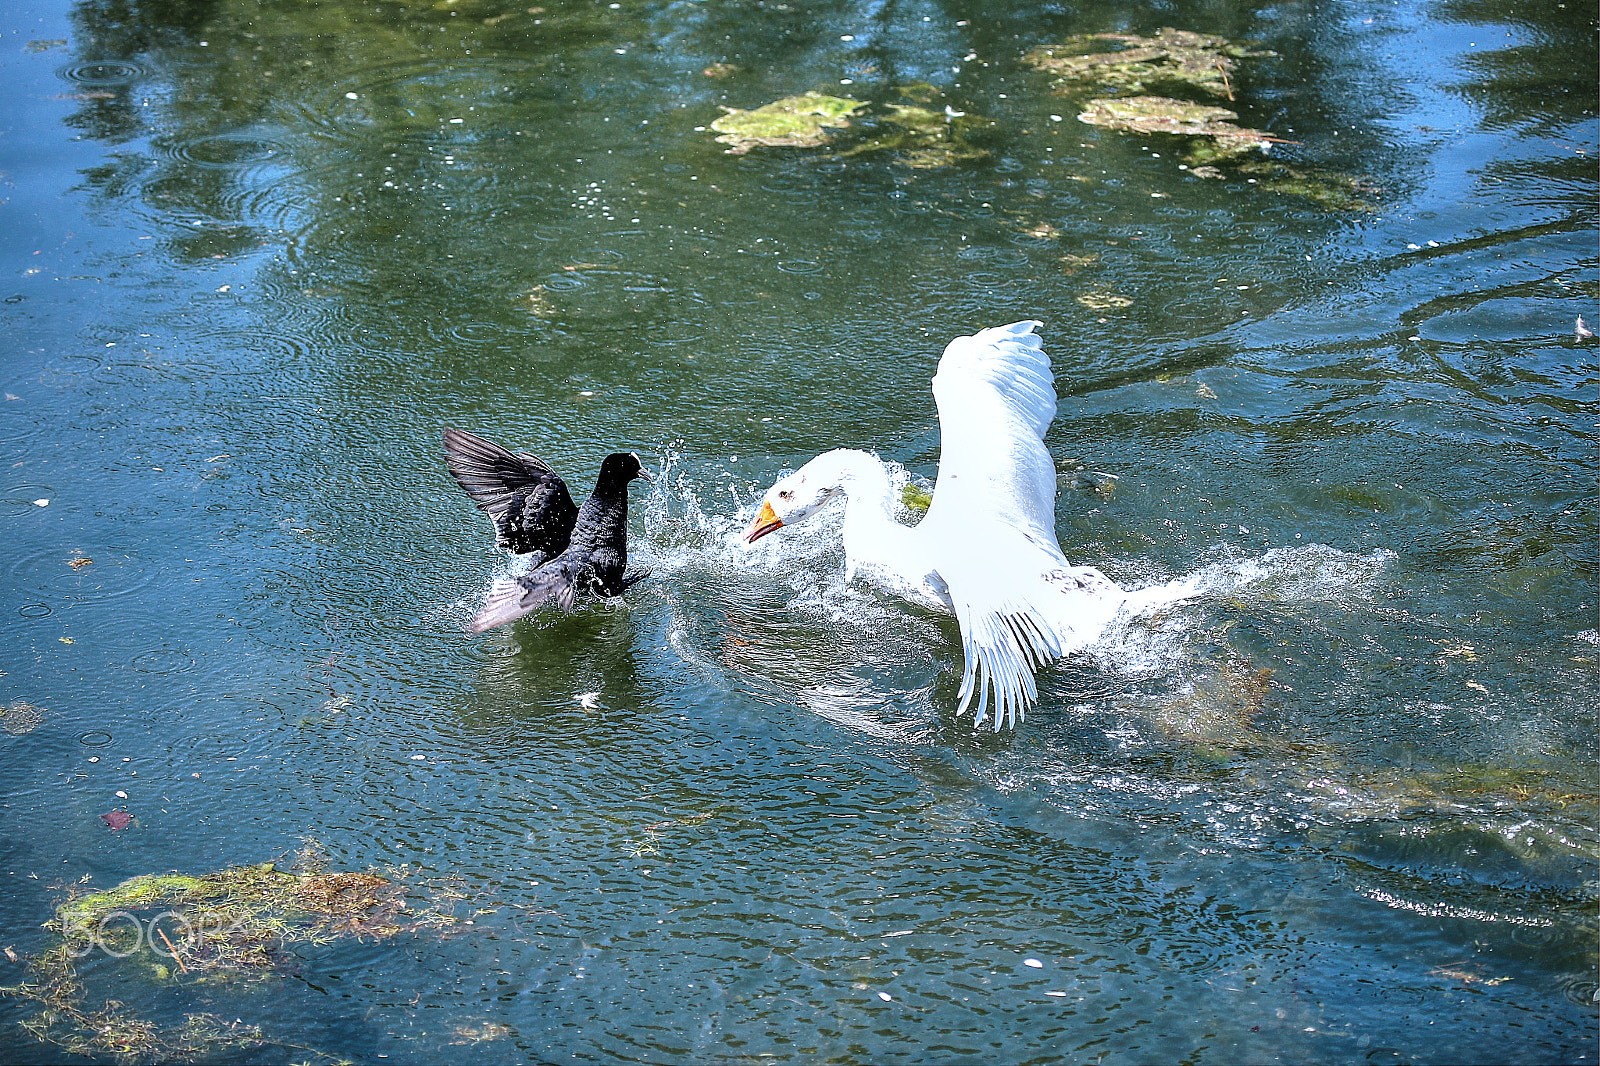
column 796, row 498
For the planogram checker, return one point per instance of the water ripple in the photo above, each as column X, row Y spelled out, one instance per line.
column 103, row 73
column 17, row 500
column 233, row 150
column 68, row 371
column 166, row 659
column 91, row 574
column 455, row 96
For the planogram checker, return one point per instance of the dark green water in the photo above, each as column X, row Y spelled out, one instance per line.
column 1342, row 808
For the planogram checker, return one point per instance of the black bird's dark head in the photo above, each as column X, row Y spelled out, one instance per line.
column 619, row 468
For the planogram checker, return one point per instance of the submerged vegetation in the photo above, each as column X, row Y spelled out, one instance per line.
column 233, row 925
column 20, row 717
column 928, row 131
column 1172, row 60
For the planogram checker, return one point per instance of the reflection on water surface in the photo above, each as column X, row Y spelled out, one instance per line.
column 1341, row 807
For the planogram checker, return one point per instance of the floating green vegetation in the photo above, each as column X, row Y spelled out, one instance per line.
column 802, row 121
column 1103, row 300
column 1129, row 63
column 925, row 136
column 1197, row 65
column 1176, row 61
column 1162, row 114
column 225, row 926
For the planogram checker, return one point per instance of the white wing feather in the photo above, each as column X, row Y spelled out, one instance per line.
column 992, row 522
column 996, row 399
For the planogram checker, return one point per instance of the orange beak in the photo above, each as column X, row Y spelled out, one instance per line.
column 766, row 521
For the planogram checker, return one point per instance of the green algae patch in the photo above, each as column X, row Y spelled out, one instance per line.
column 1102, row 300
column 1163, row 114
column 229, row 926
column 1128, row 63
column 803, row 121
column 924, row 132
column 1168, row 84
column 236, row 921
column 76, row 916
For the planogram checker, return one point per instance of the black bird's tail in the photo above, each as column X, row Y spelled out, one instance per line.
column 513, row 597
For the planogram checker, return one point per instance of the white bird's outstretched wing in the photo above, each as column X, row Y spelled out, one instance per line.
column 996, row 399
column 993, row 515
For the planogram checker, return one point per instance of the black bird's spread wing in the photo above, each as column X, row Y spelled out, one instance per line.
column 528, row 503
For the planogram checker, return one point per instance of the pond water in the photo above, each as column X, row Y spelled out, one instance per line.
column 1340, row 808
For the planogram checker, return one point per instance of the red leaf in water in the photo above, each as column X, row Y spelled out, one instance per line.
column 117, row 819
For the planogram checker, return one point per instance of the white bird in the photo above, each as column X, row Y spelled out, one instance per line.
column 987, row 549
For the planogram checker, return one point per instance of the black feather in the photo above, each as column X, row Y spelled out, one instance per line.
column 528, row 503
column 595, row 563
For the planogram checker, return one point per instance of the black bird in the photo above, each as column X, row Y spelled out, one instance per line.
column 532, row 512
column 528, row 503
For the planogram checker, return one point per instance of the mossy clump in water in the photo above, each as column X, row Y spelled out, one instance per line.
column 1101, row 300
column 1129, row 63
column 802, row 121
column 1194, row 65
column 221, row 926
column 1161, row 114
column 238, row 918
column 926, row 136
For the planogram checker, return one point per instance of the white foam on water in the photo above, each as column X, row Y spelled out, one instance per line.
column 1295, row 574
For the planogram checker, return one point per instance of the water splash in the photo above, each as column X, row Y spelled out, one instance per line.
column 780, row 618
